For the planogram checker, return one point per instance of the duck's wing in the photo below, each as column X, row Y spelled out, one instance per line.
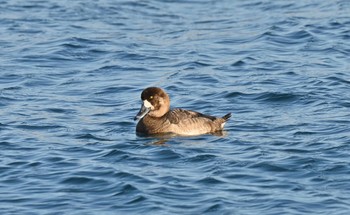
column 178, row 115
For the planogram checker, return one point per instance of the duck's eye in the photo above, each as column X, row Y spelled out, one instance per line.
column 151, row 97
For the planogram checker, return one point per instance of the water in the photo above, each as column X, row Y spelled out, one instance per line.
column 71, row 74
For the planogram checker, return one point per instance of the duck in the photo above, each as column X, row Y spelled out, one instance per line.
column 156, row 118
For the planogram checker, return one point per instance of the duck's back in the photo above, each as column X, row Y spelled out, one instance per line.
column 186, row 122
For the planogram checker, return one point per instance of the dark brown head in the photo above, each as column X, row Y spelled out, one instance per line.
column 156, row 103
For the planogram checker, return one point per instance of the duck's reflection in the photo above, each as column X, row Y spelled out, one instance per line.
column 163, row 139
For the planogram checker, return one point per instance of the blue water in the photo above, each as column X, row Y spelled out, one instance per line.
column 71, row 74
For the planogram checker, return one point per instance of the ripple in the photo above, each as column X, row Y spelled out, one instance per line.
column 278, row 97
column 210, row 181
column 77, row 180
column 269, row 167
column 91, row 137
column 129, row 189
column 39, row 127
column 60, row 110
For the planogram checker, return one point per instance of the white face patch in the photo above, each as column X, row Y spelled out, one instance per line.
column 147, row 104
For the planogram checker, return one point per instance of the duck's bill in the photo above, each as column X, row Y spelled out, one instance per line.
column 143, row 111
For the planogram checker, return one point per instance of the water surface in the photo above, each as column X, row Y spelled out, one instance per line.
column 71, row 74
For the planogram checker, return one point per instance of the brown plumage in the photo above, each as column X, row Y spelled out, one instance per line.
column 157, row 118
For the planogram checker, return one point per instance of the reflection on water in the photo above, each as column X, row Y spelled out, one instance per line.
column 162, row 139
column 160, row 142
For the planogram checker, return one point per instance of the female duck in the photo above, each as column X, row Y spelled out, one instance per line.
column 157, row 118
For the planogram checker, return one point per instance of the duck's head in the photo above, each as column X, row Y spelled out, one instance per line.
column 156, row 103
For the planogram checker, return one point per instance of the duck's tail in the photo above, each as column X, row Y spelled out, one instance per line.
column 223, row 120
column 226, row 117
